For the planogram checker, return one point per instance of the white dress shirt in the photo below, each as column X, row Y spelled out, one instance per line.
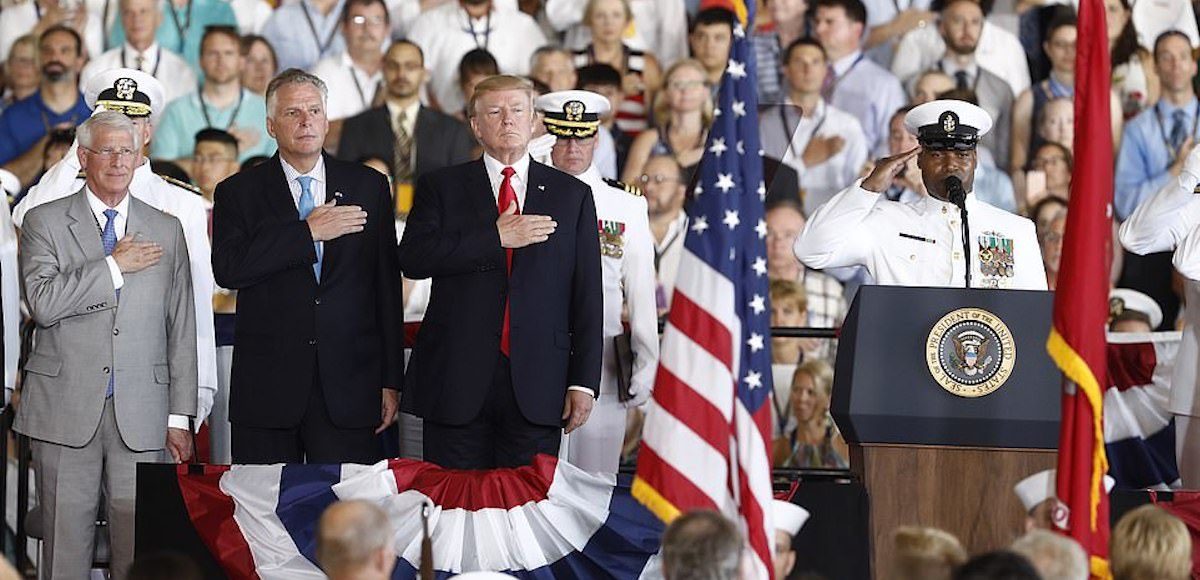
column 919, row 244
column 351, row 89
column 169, row 68
column 998, row 51
column 317, row 188
column 659, row 27
column 446, row 33
column 19, row 19
column 122, row 217
column 869, row 93
column 819, row 182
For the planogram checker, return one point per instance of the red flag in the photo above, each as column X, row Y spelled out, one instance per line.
column 1077, row 342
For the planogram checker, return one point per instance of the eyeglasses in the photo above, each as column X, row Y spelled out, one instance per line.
column 361, row 20
column 658, row 179
column 109, row 152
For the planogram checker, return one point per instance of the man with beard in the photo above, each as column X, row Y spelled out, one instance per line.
column 221, row 103
column 25, row 126
column 960, row 25
column 415, row 138
column 921, row 243
column 354, row 75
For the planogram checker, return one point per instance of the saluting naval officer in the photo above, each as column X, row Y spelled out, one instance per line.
column 140, row 97
column 920, row 243
column 627, row 258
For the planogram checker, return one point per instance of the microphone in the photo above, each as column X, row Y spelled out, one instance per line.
column 958, row 196
column 955, row 191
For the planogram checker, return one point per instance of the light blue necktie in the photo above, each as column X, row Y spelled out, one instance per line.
column 306, row 207
column 109, row 238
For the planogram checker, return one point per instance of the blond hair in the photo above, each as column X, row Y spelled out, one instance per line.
column 1150, row 544
column 819, row 371
column 498, row 83
column 788, row 291
column 926, row 553
column 662, row 106
column 591, row 8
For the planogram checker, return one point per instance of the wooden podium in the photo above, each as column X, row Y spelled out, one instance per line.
column 929, row 456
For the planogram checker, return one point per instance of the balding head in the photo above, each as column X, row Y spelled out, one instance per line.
column 354, row 540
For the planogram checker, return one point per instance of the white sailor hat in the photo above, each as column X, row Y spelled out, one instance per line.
column 1040, row 487
column 948, row 124
column 789, row 517
column 125, row 90
column 572, row 114
column 1122, row 299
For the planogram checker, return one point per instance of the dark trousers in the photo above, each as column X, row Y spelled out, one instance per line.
column 315, row 440
column 499, row 436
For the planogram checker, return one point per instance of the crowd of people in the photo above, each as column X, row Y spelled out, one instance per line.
column 372, row 114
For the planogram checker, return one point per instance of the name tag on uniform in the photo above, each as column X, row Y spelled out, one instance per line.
column 612, row 238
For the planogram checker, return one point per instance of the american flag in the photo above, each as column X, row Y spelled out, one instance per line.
column 707, row 432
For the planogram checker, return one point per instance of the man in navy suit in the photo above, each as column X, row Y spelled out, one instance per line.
column 508, row 356
column 309, row 243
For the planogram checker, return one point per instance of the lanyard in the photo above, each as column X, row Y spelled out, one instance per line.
column 312, row 27
column 837, row 78
column 487, row 30
column 783, row 118
column 361, row 95
column 181, row 27
column 1162, row 128
column 204, row 108
column 157, row 60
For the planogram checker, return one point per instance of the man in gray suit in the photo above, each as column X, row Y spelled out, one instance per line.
column 114, row 351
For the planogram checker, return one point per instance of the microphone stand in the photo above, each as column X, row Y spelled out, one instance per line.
column 957, row 196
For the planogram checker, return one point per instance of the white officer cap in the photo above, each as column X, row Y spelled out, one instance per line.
column 126, row 90
column 948, row 124
column 572, row 114
column 1122, row 299
column 789, row 517
column 1040, row 487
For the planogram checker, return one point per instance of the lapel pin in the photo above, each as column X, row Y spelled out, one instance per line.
column 337, row 195
column 541, row 188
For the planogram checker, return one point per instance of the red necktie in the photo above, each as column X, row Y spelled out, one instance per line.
column 507, row 197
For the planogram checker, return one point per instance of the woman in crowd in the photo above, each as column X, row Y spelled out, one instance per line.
column 1133, row 76
column 608, row 20
column 683, row 112
column 21, row 72
column 811, row 440
column 261, row 64
column 1054, row 162
column 1150, row 544
column 925, row 554
column 1060, row 48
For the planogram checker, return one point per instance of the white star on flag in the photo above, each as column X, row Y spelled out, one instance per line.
column 700, row 225
column 761, row 228
column 736, row 69
column 725, row 182
column 758, row 304
column 755, row 342
column 753, row 380
column 731, row 218
column 762, row 190
column 699, row 190
column 718, row 146
column 760, row 266
column 741, row 147
column 739, row 108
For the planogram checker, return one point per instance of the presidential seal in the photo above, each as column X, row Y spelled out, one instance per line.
column 970, row 352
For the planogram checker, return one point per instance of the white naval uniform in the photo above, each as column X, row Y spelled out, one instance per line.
column 191, row 210
column 920, row 243
column 169, row 68
column 1163, row 222
column 627, row 258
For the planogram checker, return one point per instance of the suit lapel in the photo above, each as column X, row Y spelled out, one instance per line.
column 536, row 198
column 421, row 140
column 479, row 192
column 277, row 191
column 336, row 188
column 84, row 227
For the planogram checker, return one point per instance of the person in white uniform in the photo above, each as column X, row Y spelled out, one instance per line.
column 920, row 243
column 1168, row 221
column 141, row 97
column 627, row 255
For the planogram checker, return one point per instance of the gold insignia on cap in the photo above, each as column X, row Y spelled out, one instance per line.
column 574, row 110
column 949, row 122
